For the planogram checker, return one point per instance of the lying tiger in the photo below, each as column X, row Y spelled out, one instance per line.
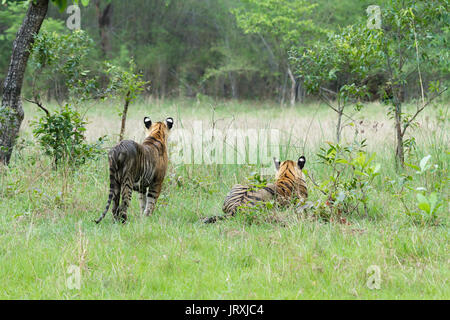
column 289, row 185
column 139, row 167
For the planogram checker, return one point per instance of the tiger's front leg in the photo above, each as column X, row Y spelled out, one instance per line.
column 152, row 195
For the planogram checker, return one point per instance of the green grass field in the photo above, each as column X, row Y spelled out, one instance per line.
column 46, row 220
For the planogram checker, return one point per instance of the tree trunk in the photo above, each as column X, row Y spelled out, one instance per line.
column 283, row 91
column 124, row 116
column 104, row 22
column 338, row 126
column 234, row 87
column 293, row 85
column 300, row 92
column 11, row 111
column 399, row 152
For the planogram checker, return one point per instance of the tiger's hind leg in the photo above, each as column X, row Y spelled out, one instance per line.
column 125, row 194
column 116, row 201
column 152, row 195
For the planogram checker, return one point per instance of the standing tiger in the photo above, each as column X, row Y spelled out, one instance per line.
column 138, row 167
column 290, row 184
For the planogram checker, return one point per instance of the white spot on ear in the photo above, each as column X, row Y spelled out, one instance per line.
column 169, row 122
column 147, row 122
column 301, row 162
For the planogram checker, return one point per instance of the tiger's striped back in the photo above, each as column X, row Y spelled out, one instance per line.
column 240, row 195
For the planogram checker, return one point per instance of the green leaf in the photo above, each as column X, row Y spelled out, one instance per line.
column 360, row 173
column 424, row 207
column 61, row 4
column 433, row 198
column 412, row 166
column 423, row 203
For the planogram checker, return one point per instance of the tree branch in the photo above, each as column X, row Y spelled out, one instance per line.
column 323, row 98
column 420, row 110
column 39, row 104
column 314, row 182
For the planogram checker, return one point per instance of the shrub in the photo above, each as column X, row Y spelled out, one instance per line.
column 428, row 193
column 62, row 136
column 348, row 187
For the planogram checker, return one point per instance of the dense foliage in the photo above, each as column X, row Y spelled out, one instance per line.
column 225, row 48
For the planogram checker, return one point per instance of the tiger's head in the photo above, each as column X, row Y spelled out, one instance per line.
column 290, row 178
column 159, row 130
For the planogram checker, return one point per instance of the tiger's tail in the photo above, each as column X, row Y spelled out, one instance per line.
column 113, row 167
column 214, row 219
column 233, row 200
column 111, row 194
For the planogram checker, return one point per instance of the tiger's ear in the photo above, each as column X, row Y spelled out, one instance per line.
column 169, row 122
column 301, row 162
column 277, row 163
column 147, row 122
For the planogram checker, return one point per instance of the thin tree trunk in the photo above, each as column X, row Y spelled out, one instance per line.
column 233, row 83
column 338, row 126
column 300, row 92
column 399, row 152
column 293, row 84
column 124, row 116
column 396, row 95
column 11, row 111
column 283, row 91
column 340, row 110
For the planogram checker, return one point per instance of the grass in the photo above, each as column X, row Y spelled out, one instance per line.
column 46, row 220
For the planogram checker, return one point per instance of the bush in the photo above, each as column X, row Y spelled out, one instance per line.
column 426, row 185
column 350, row 183
column 61, row 135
